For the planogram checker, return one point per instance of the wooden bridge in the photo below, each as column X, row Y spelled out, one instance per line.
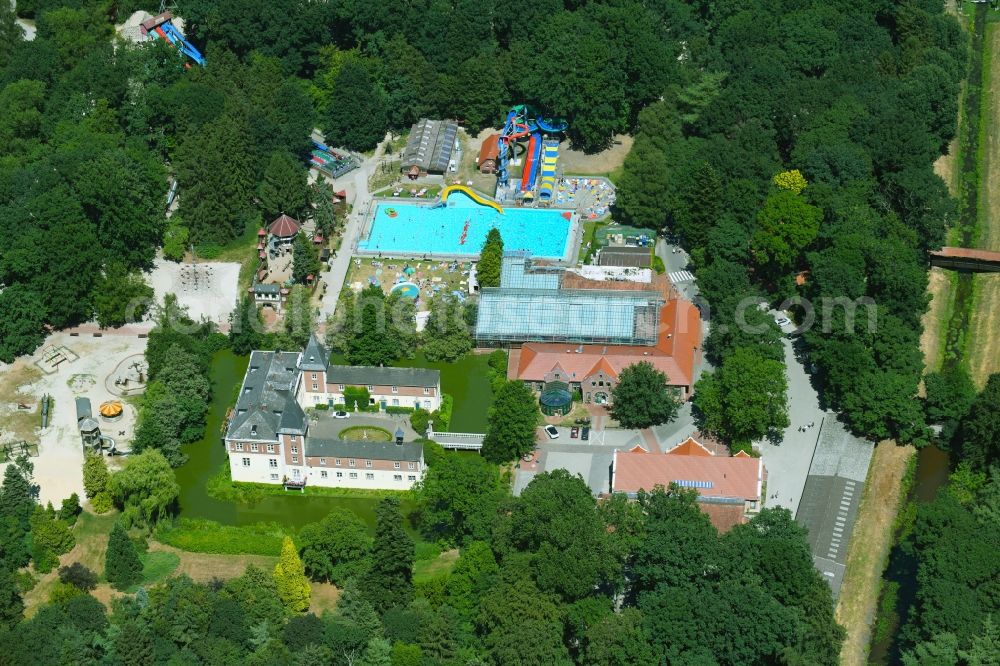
column 966, row 259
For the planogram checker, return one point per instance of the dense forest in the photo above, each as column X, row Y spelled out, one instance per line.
column 549, row 578
column 797, row 139
column 949, row 546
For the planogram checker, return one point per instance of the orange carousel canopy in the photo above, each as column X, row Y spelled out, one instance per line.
column 111, row 408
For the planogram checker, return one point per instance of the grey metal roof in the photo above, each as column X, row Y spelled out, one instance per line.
column 430, row 145
column 365, row 375
column 266, row 405
column 315, row 357
column 83, row 409
column 338, row 448
column 635, row 257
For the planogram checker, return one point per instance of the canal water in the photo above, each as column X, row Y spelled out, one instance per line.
column 466, row 380
column 931, row 475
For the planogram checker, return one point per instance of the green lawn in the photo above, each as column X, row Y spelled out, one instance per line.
column 425, row 570
column 156, row 566
column 208, row 536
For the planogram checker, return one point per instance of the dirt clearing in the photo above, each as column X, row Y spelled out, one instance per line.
column 575, row 162
column 935, row 320
column 869, row 549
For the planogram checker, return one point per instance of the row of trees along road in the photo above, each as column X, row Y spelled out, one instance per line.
column 638, row 583
column 797, row 138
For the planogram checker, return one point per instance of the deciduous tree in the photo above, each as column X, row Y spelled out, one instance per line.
column 513, row 419
column 642, row 397
column 146, row 487
column 335, row 548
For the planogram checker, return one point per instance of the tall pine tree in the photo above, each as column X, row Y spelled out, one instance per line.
column 17, row 495
column 284, row 188
column 389, row 581
column 122, row 566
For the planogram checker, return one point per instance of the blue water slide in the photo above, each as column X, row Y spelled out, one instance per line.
column 551, row 125
column 175, row 36
column 503, row 158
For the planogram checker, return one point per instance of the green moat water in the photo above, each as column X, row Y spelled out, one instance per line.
column 466, row 380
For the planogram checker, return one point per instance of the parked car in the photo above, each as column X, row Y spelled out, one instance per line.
column 574, row 432
column 340, row 415
column 551, row 431
column 782, row 320
column 585, row 434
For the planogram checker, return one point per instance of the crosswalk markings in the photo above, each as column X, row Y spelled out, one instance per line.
column 680, row 276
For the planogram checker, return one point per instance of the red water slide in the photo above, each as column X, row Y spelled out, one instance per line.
column 527, row 174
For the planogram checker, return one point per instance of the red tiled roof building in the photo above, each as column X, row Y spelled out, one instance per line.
column 729, row 487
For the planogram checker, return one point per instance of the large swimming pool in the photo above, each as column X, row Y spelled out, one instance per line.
column 460, row 228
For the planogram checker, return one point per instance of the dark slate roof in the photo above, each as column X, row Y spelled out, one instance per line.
column 315, row 357
column 261, row 288
column 338, row 448
column 364, row 375
column 266, row 405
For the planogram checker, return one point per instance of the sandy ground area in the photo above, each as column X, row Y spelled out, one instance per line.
column 939, row 287
column 58, row 466
column 869, row 549
column 206, row 289
column 575, row 162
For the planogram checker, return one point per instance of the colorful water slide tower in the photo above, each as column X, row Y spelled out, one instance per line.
column 161, row 27
column 515, row 127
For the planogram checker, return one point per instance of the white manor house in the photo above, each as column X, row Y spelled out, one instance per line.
column 270, row 438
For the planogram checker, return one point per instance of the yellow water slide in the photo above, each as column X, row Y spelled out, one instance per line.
column 472, row 195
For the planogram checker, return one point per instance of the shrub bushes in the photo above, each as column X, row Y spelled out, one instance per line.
column 395, row 409
column 207, row 536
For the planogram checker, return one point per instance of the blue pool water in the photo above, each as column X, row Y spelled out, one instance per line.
column 420, row 229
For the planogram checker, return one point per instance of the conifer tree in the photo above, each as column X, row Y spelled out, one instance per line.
column 305, row 261
column 122, row 566
column 490, row 260
column 17, row 496
column 11, row 605
column 290, row 577
column 389, row 581
column 283, row 189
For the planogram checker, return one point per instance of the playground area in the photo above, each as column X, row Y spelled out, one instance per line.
column 458, row 228
column 96, row 363
column 419, row 280
column 208, row 290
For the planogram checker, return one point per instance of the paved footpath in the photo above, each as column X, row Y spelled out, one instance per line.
column 357, row 184
column 788, row 461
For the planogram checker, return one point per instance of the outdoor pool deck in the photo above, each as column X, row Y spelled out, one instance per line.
column 458, row 230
